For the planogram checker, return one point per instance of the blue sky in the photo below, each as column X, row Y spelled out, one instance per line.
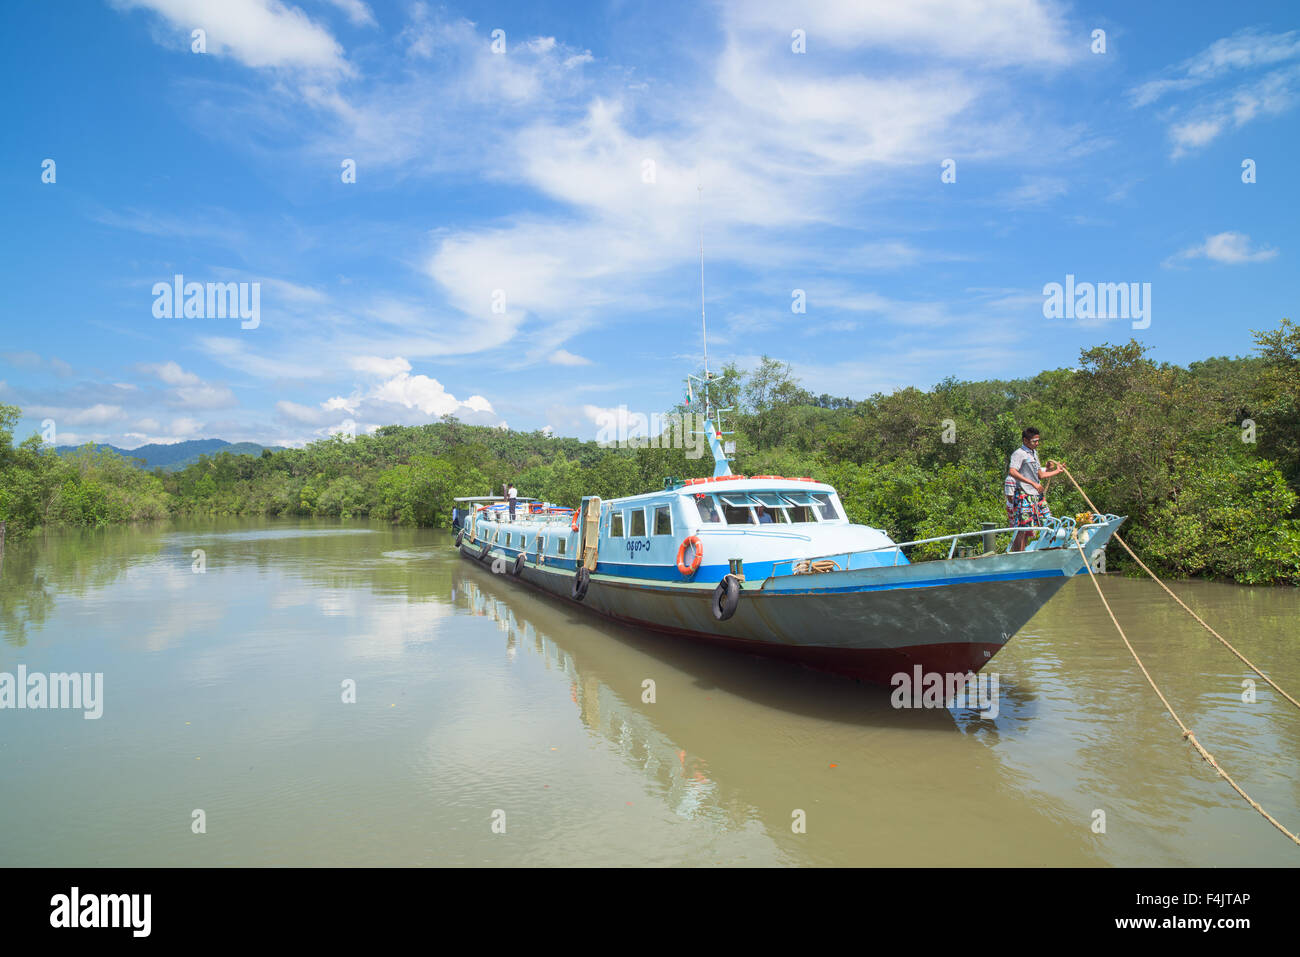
column 520, row 244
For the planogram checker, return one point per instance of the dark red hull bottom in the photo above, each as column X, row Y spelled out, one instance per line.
column 877, row 666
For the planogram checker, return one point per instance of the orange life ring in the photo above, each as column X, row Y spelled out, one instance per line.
column 694, row 541
column 574, row 526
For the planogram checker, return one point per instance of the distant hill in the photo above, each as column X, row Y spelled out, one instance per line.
column 179, row 454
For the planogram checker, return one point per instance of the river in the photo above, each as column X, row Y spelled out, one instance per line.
column 493, row 725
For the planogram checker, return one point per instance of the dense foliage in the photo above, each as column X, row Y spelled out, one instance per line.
column 1204, row 460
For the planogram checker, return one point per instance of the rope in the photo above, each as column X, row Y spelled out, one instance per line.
column 1225, row 641
column 1188, row 735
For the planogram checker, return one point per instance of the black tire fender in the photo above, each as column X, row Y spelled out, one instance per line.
column 519, row 564
column 726, row 597
column 460, row 537
column 580, row 582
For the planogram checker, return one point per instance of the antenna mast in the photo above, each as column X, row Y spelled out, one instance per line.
column 712, row 427
column 703, row 322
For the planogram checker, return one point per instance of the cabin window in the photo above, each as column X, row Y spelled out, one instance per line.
column 773, row 508
column 737, row 515
column 736, row 509
column 708, row 509
column 638, row 522
column 663, row 520
column 616, row 525
column 541, row 545
column 800, row 505
column 523, row 542
column 562, row 542
column 825, row 507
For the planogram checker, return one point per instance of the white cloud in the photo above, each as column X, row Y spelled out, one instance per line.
column 562, row 357
column 402, row 399
column 374, row 365
column 205, row 396
column 340, row 404
column 1024, row 32
column 357, row 12
column 170, row 373
column 1034, row 191
column 427, row 395
column 301, row 413
column 778, row 141
column 257, row 33
column 1197, row 124
column 1243, row 50
column 97, row 414
column 1228, row 248
column 190, row 391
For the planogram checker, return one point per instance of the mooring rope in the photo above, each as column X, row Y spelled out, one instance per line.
column 1271, row 683
column 1188, row 735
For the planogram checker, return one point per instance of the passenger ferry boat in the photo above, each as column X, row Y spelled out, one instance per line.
column 773, row 566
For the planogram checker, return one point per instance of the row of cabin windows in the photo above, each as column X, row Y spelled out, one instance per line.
column 509, row 540
column 753, row 508
column 762, row 508
column 635, row 522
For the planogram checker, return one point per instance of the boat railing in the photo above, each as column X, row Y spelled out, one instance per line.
column 1056, row 532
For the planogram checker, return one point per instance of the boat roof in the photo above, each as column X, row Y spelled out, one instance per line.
column 733, row 483
column 490, row 498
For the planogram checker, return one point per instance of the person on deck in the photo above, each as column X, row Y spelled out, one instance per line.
column 511, row 495
column 1023, row 487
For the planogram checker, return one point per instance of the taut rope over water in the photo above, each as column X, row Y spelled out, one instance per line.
column 1188, row 735
column 1225, row 641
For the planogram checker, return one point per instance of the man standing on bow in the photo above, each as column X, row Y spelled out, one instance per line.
column 511, row 495
column 1025, row 505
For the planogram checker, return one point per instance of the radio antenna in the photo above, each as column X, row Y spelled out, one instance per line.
column 703, row 321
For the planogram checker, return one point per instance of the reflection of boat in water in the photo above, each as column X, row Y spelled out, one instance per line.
column 773, row 566
column 736, row 743
column 684, row 780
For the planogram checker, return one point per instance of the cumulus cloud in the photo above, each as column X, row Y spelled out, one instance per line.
column 427, row 395
column 400, row 399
